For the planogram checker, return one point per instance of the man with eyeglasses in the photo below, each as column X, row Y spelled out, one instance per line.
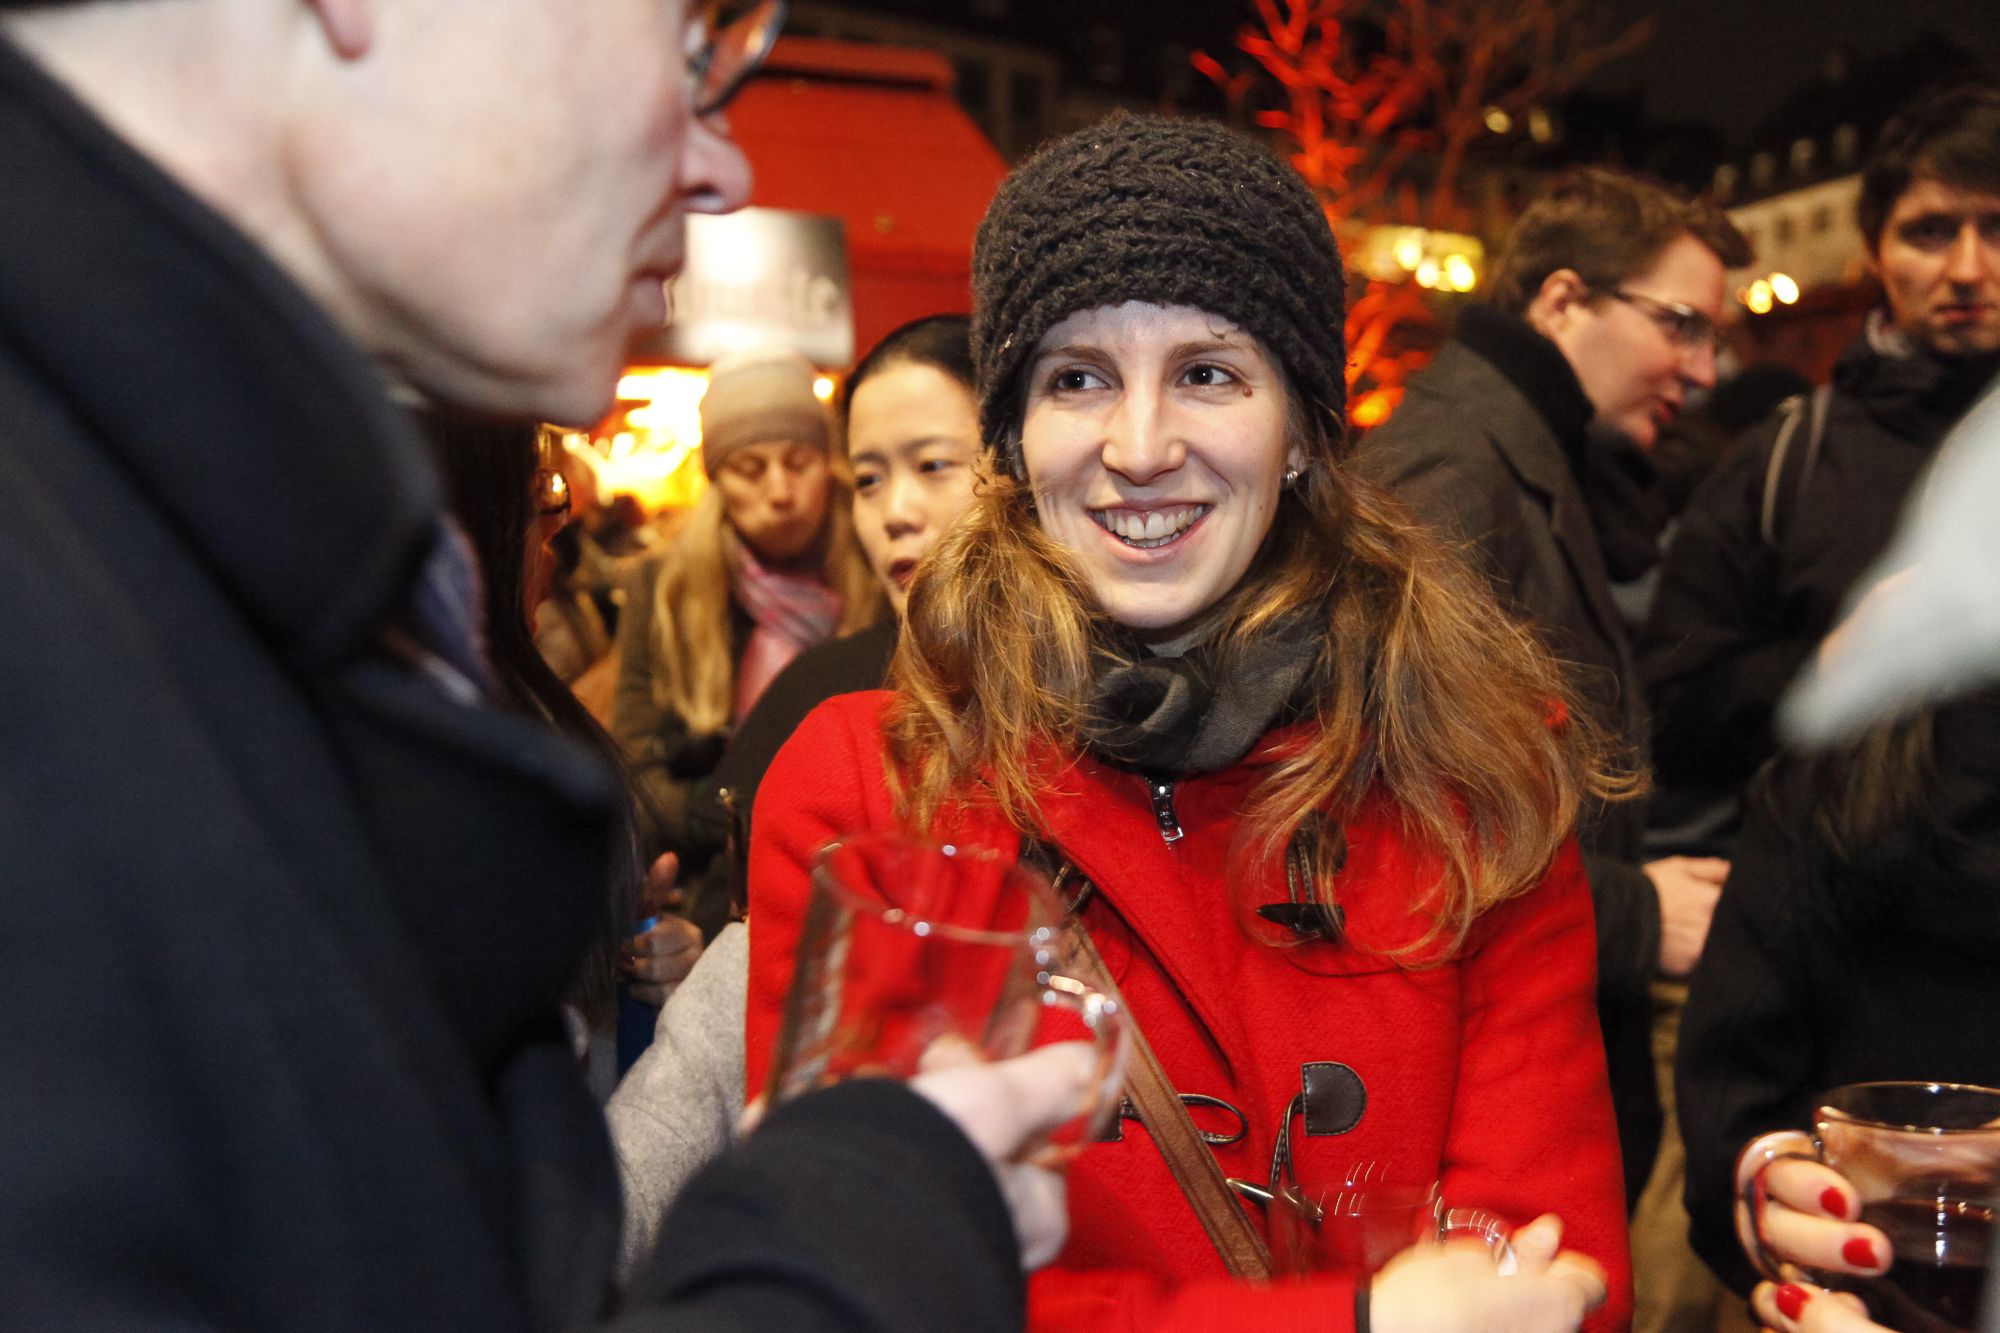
column 1597, row 321
column 286, row 907
column 1770, row 547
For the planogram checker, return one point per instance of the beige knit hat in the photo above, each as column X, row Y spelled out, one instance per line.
column 755, row 397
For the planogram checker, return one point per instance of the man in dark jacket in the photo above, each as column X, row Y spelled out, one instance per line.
column 287, row 907
column 1766, row 557
column 1598, row 320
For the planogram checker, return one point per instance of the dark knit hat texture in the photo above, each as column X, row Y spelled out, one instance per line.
column 1167, row 211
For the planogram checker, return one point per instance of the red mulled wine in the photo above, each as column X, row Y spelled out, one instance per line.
column 1939, row 1274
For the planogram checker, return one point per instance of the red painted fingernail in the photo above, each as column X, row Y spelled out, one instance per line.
column 1792, row 1300
column 1833, row 1203
column 1859, row 1253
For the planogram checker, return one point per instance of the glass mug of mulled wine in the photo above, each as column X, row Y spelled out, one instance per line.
column 1356, row 1228
column 910, row 947
column 1925, row 1160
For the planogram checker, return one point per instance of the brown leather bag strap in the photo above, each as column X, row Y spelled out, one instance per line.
column 1193, row 1166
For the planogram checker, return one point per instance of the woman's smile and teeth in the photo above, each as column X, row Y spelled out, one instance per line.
column 1149, row 529
column 1155, row 441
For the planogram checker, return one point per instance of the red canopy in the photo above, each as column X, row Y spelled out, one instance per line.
column 871, row 134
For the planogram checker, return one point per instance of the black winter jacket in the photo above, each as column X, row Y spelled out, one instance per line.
column 1478, row 458
column 1735, row 617
column 846, row 665
column 283, row 925
column 1823, row 969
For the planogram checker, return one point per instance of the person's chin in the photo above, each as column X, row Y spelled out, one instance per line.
column 786, row 546
column 578, row 397
column 1641, row 429
column 1968, row 342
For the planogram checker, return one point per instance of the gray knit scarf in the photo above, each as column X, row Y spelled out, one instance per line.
column 1203, row 711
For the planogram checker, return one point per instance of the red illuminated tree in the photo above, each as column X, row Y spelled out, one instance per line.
column 1382, row 104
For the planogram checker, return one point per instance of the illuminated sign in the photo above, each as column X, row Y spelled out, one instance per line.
column 755, row 278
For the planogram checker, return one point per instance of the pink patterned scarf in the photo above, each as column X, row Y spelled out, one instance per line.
column 788, row 613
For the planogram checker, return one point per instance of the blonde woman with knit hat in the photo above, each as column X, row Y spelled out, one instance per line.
column 764, row 567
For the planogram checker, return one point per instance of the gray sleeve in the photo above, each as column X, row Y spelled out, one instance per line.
column 678, row 1106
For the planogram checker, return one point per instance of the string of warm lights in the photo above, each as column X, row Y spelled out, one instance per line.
column 1764, row 294
column 1444, row 261
column 650, row 446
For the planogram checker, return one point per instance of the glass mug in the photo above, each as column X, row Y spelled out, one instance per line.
column 1925, row 1160
column 907, row 943
column 1356, row 1229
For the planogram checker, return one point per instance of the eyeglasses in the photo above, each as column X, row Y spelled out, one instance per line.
column 737, row 41
column 1690, row 329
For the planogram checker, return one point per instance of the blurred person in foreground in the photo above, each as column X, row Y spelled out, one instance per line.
column 290, row 903
column 1910, row 746
column 1598, row 320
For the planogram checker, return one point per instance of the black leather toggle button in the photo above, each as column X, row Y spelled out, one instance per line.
column 1308, row 921
column 1335, row 1097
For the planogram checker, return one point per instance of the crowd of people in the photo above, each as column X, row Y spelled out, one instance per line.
column 1417, row 792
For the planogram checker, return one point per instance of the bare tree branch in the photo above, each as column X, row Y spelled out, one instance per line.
column 1381, row 105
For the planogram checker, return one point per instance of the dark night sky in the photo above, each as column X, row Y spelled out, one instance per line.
column 1727, row 62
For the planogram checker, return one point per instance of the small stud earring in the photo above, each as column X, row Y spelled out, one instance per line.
column 1291, row 478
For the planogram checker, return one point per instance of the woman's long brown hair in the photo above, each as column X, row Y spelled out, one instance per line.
column 1425, row 689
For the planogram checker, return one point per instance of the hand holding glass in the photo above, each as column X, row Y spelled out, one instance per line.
column 1923, row 1161
column 1356, row 1229
column 907, row 944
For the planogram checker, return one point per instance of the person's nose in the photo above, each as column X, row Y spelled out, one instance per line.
column 1140, row 440
column 902, row 507
column 1698, row 365
column 714, row 176
column 1971, row 260
column 781, row 488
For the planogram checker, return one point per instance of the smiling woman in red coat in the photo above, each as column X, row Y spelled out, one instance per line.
column 1319, row 787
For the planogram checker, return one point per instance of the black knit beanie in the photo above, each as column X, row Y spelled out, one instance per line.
column 1172, row 212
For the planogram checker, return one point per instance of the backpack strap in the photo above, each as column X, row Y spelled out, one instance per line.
column 1790, row 469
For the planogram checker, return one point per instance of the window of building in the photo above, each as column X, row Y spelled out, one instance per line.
column 1846, row 145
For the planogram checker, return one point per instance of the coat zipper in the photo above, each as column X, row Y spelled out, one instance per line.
column 1162, row 790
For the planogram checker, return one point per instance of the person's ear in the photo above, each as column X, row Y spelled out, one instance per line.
column 1562, row 296
column 1871, row 257
column 349, row 25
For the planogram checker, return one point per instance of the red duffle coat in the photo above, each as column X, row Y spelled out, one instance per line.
column 1483, row 1070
